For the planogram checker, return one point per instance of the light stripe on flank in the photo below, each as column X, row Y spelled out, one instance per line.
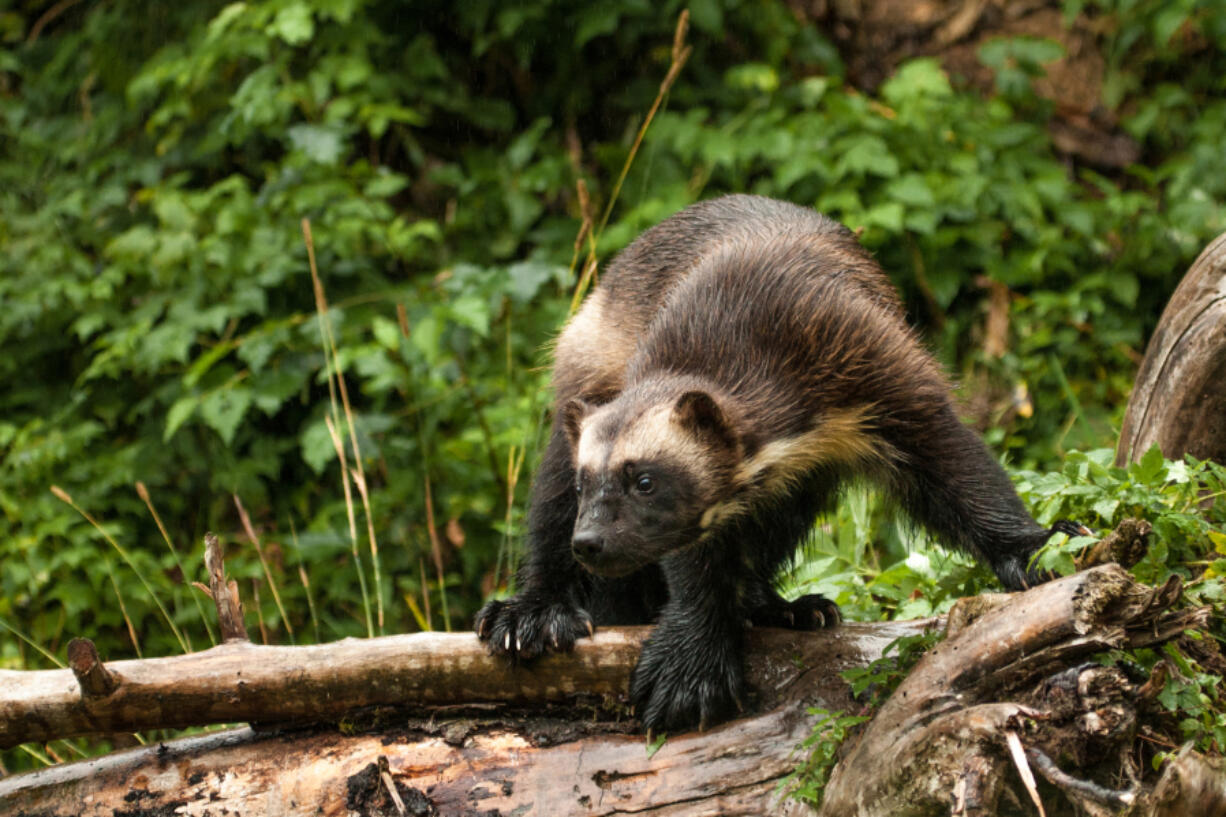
column 841, row 437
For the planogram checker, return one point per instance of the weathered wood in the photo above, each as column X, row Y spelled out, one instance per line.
column 491, row 762
column 225, row 594
column 1010, row 666
column 244, row 682
column 92, row 677
column 1179, row 398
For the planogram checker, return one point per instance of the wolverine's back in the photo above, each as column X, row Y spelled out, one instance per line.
column 597, row 345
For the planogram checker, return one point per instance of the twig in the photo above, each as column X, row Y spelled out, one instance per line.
column 436, row 548
column 225, row 594
column 386, row 776
column 680, row 53
column 339, row 447
column 48, row 15
column 1077, row 788
column 123, row 608
column 1023, row 769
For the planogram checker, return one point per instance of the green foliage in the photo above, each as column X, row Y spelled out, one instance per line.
column 1183, row 500
column 1196, row 698
column 873, row 685
column 160, row 320
column 808, row 781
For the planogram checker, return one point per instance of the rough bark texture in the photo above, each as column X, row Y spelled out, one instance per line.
column 243, row 682
column 939, row 745
column 1009, row 687
column 1179, row 399
column 580, row 757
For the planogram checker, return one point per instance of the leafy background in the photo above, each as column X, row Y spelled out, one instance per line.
column 160, row 322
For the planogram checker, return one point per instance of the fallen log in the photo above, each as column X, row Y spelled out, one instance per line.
column 581, row 756
column 1011, row 681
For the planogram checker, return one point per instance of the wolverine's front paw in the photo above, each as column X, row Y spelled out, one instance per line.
column 523, row 627
column 680, row 683
column 812, row 612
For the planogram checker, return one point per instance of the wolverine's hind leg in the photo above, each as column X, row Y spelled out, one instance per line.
column 949, row 482
column 811, row 612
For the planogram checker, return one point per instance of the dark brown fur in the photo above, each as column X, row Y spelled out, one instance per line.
column 737, row 363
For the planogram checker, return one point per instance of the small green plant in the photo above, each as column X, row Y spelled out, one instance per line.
column 872, row 685
column 1182, row 499
column 808, row 781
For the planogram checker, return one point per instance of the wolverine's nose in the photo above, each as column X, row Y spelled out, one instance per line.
column 587, row 544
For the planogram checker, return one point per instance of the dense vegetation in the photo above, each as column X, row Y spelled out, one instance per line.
column 161, row 327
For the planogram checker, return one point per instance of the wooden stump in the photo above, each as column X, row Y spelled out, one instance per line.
column 1179, row 399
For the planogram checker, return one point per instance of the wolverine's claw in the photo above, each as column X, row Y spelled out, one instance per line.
column 506, row 643
column 591, row 631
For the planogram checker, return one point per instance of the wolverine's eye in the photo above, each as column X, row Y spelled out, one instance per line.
column 645, row 484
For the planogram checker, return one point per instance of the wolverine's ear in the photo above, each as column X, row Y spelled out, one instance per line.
column 571, row 417
column 698, row 412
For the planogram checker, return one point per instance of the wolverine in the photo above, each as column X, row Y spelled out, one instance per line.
column 735, row 365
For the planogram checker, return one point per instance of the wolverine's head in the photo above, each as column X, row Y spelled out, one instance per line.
column 647, row 467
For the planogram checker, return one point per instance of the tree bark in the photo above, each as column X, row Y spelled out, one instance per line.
column 1010, row 688
column 515, row 754
column 1179, row 399
column 1011, row 671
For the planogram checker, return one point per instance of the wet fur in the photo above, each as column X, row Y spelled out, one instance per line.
column 810, row 375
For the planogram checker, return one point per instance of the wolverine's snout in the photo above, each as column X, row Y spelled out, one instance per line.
column 587, row 545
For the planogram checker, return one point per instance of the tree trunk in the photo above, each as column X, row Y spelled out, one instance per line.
column 1179, row 399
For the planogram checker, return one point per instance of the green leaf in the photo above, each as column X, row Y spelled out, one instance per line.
column 753, row 76
column 1150, row 468
column 526, row 278
column 316, row 446
column 472, row 311
column 911, row 190
column 708, row 16
column 223, row 409
column 387, row 332
column 1105, row 509
column 293, row 24
column 318, row 143
column 867, row 155
column 597, row 19
column 917, row 78
column 178, row 414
